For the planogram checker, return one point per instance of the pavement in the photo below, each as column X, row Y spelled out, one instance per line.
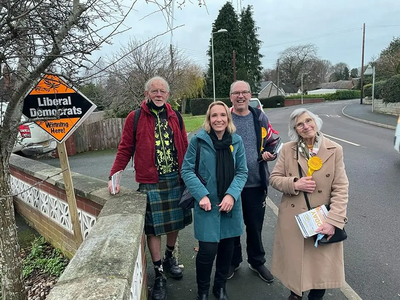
column 363, row 113
column 245, row 285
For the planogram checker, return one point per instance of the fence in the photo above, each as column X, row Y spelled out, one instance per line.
column 100, row 135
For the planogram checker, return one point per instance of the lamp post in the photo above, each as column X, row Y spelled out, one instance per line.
column 212, row 56
column 302, row 87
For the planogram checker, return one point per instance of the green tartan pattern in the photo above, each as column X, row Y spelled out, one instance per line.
column 163, row 215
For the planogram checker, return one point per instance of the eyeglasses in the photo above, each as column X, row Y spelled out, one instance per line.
column 307, row 122
column 244, row 93
column 155, row 92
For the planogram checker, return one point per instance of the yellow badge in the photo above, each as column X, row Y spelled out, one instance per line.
column 231, row 147
column 263, row 132
column 314, row 164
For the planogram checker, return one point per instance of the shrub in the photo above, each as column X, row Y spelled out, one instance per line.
column 200, row 106
column 343, row 95
column 391, row 90
column 378, row 89
column 274, row 101
column 368, row 90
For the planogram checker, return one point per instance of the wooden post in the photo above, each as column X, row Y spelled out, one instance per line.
column 69, row 190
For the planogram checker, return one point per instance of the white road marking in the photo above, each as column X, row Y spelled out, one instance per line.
column 346, row 289
column 335, row 138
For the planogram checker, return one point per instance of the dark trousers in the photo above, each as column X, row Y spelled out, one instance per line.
column 253, row 204
column 314, row 294
column 204, row 262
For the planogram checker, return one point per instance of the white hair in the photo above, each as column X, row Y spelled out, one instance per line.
column 292, row 133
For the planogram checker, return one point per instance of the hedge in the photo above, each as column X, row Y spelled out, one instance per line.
column 391, row 90
column 274, row 101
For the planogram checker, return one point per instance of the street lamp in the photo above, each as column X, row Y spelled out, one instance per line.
column 302, row 86
column 212, row 56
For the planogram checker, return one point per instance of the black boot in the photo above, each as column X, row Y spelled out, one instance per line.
column 202, row 296
column 159, row 289
column 220, row 293
column 171, row 268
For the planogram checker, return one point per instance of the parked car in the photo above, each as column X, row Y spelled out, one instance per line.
column 31, row 139
column 397, row 137
column 255, row 103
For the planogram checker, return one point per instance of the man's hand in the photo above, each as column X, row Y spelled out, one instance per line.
column 205, row 203
column 226, row 203
column 110, row 188
column 267, row 156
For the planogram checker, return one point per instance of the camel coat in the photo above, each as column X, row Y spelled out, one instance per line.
column 295, row 261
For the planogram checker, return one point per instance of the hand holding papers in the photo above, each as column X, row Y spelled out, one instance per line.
column 115, row 180
column 309, row 221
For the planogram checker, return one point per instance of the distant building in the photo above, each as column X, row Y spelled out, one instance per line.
column 289, row 89
column 333, row 87
column 269, row 89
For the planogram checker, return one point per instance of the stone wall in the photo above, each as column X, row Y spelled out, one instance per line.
column 111, row 262
column 386, row 108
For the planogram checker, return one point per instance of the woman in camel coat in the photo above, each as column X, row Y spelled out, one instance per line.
column 298, row 264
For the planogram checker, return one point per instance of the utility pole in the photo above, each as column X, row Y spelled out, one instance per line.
column 234, row 65
column 362, row 66
column 277, row 77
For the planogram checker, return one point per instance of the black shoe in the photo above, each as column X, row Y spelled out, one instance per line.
column 263, row 272
column 232, row 270
column 170, row 266
column 202, row 296
column 160, row 289
column 220, row 293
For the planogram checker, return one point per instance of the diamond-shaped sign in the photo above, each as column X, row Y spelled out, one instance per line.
column 56, row 107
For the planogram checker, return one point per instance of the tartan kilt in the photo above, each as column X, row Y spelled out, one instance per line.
column 163, row 215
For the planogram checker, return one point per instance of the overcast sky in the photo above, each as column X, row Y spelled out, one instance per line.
column 335, row 27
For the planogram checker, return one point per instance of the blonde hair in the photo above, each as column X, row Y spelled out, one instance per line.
column 230, row 127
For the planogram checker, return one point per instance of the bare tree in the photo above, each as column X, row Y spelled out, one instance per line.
column 138, row 62
column 293, row 62
column 38, row 36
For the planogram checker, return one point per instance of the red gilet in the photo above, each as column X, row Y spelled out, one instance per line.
column 144, row 158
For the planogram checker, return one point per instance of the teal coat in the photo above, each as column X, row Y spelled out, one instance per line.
column 212, row 226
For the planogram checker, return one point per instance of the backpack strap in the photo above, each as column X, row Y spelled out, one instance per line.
column 179, row 118
column 135, row 124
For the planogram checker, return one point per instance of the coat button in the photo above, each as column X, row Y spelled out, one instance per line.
column 319, row 191
column 327, row 175
column 290, row 174
column 292, row 205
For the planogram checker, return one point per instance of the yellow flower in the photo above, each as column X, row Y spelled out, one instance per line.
column 231, row 148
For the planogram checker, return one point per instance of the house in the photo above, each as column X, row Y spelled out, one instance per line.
column 269, row 89
column 333, row 87
column 289, row 89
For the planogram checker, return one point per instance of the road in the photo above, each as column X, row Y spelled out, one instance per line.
column 372, row 262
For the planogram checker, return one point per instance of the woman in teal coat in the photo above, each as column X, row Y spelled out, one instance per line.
column 218, row 214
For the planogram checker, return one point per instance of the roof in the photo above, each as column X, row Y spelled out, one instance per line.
column 341, row 84
column 288, row 88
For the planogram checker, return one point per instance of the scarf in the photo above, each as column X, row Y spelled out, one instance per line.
column 303, row 149
column 224, row 168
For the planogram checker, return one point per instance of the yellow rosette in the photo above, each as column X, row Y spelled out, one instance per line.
column 263, row 135
column 314, row 164
column 231, row 147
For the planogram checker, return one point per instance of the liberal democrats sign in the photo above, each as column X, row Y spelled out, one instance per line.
column 56, row 107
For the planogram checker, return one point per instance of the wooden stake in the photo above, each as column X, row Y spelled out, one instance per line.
column 69, row 190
